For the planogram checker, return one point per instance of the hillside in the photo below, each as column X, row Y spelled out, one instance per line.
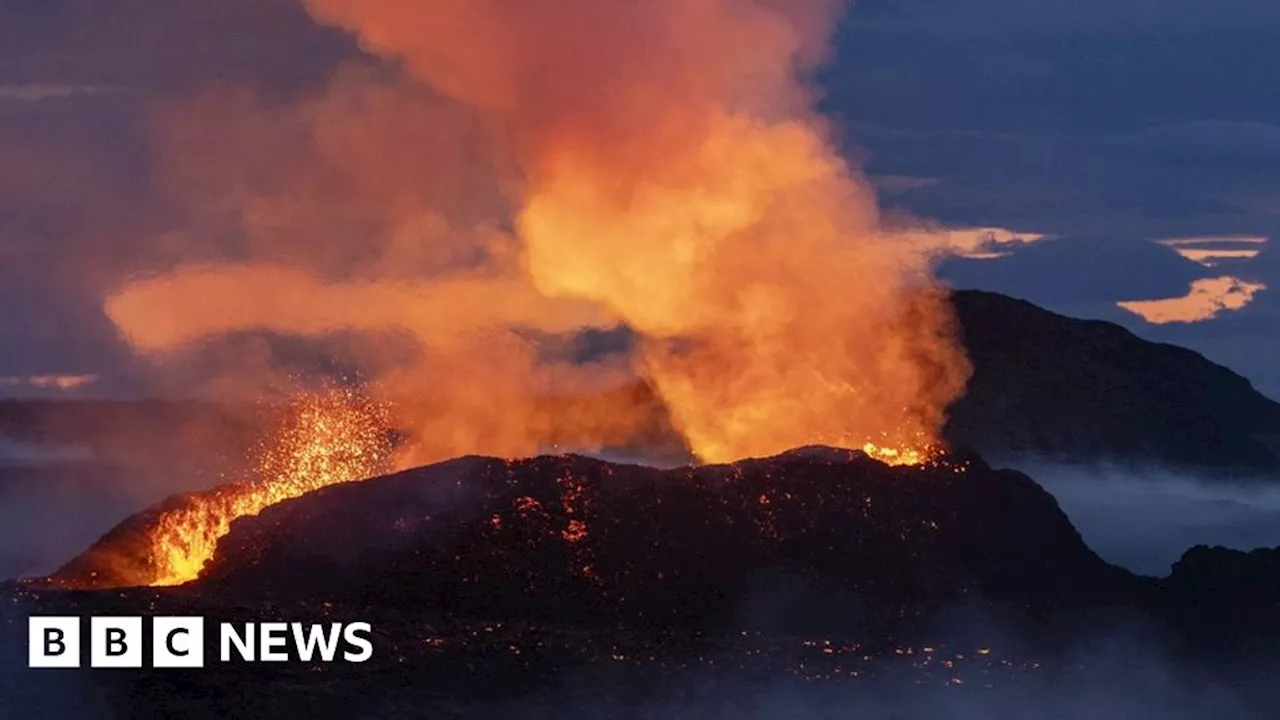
column 1079, row 389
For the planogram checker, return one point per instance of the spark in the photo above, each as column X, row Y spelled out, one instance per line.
column 330, row 437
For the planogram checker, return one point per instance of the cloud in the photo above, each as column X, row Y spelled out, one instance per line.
column 48, row 382
column 1206, row 141
column 1206, row 300
column 1213, row 251
column 989, row 243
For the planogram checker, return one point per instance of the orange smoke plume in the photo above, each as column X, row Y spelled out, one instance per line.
column 654, row 164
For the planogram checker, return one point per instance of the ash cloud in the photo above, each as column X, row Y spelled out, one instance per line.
column 506, row 168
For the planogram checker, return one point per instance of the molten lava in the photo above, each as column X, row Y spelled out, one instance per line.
column 898, row 456
column 331, row 437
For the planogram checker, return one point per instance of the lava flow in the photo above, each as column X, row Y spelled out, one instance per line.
column 329, row 438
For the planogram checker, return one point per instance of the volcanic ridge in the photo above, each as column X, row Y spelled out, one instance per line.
column 481, row 570
column 572, row 537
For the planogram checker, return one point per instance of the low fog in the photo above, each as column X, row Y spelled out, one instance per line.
column 57, row 498
column 1144, row 518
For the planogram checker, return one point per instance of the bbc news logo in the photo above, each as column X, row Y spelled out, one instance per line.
column 179, row 642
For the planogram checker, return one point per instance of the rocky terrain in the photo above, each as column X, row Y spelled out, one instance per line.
column 492, row 583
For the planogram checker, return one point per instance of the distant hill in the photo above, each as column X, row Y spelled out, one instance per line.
column 1084, row 389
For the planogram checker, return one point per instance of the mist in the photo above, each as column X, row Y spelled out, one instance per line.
column 1145, row 518
column 52, row 509
column 69, row 472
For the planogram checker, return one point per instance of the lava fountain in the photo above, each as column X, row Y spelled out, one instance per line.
column 327, row 437
column 332, row 437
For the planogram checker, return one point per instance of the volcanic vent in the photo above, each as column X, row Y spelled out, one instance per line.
column 327, row 437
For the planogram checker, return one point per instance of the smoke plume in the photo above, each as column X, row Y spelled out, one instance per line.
column 504, row 171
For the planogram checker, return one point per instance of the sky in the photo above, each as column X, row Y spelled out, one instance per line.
column 1126, row 152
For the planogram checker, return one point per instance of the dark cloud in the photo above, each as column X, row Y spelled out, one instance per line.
column 1069, row 117
column 1208, row 141
column 164, row 46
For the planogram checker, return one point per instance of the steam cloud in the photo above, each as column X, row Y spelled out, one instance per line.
column 510, row 170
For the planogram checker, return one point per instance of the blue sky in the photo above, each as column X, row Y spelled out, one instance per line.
column 1103, row 125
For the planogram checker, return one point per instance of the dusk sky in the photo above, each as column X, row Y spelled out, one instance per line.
column 1124, row 150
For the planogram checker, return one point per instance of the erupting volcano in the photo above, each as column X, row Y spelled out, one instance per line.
column 566, row 348
column 521, row 180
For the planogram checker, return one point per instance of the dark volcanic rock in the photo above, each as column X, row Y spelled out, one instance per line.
column 1221, row 596
column 492, row 583
column 575, row 538
column 1052, row 385
column 1247, row 577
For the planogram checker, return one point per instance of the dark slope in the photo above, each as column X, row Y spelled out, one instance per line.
column 572, row 538
column 1226, row 598
column 487, row 596
column 815, row 540
column 1048, row 384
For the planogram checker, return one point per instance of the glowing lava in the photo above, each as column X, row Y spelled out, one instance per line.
column 329, row 438
column 895, row 456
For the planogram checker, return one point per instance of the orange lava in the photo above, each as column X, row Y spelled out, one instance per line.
column 896, row 456
column 331, row 437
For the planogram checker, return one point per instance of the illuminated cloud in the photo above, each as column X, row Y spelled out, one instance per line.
column 988, row 243
column 1207, row 299
column 48, row 382
column 1210, row 250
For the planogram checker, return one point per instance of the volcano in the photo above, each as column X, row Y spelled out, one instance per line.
column 571, row 537
column 490, row 581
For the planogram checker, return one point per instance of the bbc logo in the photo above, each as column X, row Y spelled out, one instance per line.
column 178, row 642
column 115, row 642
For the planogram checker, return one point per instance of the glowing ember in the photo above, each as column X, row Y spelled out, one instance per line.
column 901, row 456
column 329, row 438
